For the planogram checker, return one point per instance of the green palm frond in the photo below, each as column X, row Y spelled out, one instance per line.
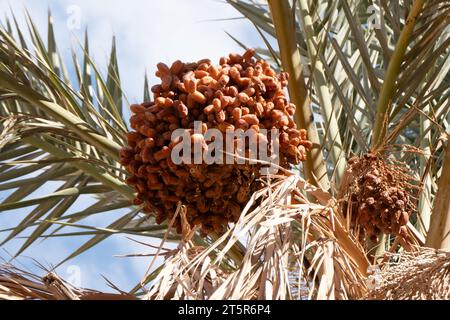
column 61, row 132
column 350, row 61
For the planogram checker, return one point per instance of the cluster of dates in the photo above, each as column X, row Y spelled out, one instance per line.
column 380, row 196
column 240, row 93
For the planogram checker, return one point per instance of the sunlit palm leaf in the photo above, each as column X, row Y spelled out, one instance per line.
column 59, row 133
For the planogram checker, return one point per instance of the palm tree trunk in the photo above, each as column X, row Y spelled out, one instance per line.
column 425, row 204
column 282, row 15
column 439, row 234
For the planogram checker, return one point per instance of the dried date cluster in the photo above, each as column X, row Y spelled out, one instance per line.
column 380, row 196
column 240, row 93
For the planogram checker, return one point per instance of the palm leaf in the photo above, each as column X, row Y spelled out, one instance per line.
column 61, row 132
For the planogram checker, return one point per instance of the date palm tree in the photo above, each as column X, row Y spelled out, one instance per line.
column 366, row 76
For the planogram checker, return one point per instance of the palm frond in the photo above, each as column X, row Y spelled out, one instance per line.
column 17, row 284
column 424, row 275
column 55, row 132
column 325, row 246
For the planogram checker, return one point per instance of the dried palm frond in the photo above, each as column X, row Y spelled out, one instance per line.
column 17, row 284
column 178, row 280
column 330, row 250
column 418, row 275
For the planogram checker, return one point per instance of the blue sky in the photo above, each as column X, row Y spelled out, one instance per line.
column 147, row 32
